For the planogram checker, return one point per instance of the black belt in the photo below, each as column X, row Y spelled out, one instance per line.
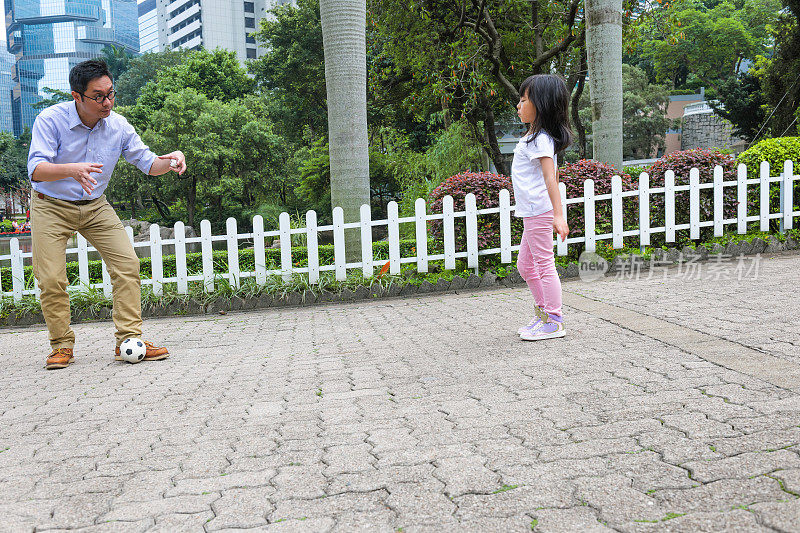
column 74, row 202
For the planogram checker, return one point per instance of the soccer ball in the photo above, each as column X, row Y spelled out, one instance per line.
column 132, row 350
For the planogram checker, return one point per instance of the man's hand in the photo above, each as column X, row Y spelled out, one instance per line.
column 82, row 173
column 178, row 163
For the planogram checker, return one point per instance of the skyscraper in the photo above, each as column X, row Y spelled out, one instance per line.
column 6, row 87
column 148, row 27
column 210, row 24
column 49, row 37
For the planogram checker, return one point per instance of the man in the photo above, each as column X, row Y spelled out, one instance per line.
column 74, row 148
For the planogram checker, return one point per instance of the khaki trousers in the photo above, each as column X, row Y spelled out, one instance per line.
column 52, row 224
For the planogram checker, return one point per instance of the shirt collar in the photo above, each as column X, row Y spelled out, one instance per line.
column 75, row 119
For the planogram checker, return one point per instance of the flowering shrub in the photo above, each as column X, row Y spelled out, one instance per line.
column 486, row 188
column 574, row 174
column 681, row 162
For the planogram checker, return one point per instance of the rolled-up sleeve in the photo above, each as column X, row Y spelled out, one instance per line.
column 136, row 152
column 44, row 143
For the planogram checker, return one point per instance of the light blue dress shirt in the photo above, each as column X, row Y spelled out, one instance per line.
column 59, row 136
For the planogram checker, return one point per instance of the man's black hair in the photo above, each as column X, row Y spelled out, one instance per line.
column 86, row 71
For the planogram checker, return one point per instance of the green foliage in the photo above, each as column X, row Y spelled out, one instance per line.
column 217, row 75
column 779, row 72
column 705, row 44
column 644, row 107
column 643, row 114
column 118, row 60
column 292, row 70
column 235, row 161
column 143, row 69
column 773, row 151
column 56, row 97
column 14, row 160
column 742, row 104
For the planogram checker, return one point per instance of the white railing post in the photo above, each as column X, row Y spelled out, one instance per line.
column 617, row 223
column 232, row 240
column 471, row 214
column 561, row 245
column 83, row 263
column 207, row 253
column 589, row 216
column 694, row 204
column 718, row 201
column 156, row 260
column 312, row 246
column 285, row 227
column 505, row 226
column 394, row 238
column 339, row 257
column 788, row 195
column 764, row 193
column 259, row 253
column 741, row 196
column 17, row 270
column 107, row 288
column 421, row 226
column 449, row 233
column 181, row 269
column 366, row 241
column 644, row 209
column 669, row 205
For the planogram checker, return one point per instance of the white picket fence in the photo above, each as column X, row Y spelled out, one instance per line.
column 368, row 263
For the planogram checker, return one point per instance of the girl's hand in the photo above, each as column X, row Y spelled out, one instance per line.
column 560, row 225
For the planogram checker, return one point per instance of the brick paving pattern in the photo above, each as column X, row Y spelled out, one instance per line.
column 421, row 414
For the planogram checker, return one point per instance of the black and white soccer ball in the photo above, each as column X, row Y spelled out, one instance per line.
column 132, row 350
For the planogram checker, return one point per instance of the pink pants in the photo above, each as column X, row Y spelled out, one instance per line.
column 536, row 262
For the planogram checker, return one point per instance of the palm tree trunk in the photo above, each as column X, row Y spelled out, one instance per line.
column 344, row 42
column 604, row 54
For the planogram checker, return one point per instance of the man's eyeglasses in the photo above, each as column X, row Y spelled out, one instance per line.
column 102, row 98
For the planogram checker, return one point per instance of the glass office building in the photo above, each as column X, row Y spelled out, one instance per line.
column 49, row 37
column 6, row 88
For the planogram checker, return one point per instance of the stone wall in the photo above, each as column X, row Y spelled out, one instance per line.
column 706, row 131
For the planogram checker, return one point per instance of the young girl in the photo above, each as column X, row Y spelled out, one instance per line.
column 543, row 104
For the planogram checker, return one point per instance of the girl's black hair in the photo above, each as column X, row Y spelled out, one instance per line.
column 549, row 95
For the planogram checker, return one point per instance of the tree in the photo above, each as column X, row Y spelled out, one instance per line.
column 467, row 58
column 143, row 69
column 292, row 71
column 344, row 43
column 56, row 96
column 695, row 44
column 644, row 108
column 217, row 75
column 604, row 54
column 780, row 76
column 742, row 103
column 118, row 59
column 13, row 160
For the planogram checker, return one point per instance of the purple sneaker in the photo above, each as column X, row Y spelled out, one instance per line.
column 552, row 328
column 537, row 321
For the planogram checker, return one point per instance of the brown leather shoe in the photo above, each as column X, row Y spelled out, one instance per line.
column 153, row 353
column 59, row 358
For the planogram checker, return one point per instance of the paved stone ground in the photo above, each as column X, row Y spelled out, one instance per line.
column 422, row 414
